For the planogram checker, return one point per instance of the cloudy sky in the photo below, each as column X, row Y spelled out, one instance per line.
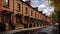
column 42, row 5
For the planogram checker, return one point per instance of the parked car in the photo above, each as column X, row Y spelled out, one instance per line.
column 42, row 33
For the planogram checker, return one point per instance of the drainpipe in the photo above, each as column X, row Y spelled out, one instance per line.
column 13, row 13
column 22, row 14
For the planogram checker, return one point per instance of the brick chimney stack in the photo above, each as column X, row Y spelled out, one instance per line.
column 36, row 8
column 40, row 12
column 28, row 2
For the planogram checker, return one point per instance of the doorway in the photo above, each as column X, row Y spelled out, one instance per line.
column 7, row 19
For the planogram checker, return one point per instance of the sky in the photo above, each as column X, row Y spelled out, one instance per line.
column 43, row 6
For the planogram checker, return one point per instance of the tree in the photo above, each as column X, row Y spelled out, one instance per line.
column 54, row 16
column 56, row 4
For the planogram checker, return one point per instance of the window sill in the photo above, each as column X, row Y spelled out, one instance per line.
column 18, row 10
column 6, row 6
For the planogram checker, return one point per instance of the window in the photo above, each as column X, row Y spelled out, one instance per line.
column 38, row 15
column 18, row 6
column 17, row 19
column 31, row 13
column 35, row 14
column 26, row 10
column 6, row 3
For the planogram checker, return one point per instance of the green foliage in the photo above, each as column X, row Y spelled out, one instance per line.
column 15, row 24
column 56, row 4
column 54, row 16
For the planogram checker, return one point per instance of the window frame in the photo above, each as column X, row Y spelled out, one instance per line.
column 38, row 15
column 17, row 19
column 6, row 3
column 26, row 10
column 18, row 7
column 31, row 13
column 35, row 14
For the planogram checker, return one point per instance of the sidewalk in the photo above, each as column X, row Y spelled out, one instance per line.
column 26, row 29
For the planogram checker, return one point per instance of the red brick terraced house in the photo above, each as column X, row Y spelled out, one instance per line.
column 17, row 14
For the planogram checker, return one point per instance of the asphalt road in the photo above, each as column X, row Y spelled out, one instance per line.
column 49, row 30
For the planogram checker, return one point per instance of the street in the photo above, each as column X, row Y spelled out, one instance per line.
column 50, row 30
column 46, row 30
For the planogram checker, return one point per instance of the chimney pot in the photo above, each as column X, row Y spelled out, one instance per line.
column 40, row 11
column 36, row 8
column 28, row 2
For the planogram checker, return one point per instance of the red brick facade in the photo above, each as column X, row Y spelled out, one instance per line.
column 21, row 18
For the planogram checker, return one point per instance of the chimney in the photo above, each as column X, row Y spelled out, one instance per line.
column 36, row 8
column 40, row 12
column 28, row 2
column 44, row 14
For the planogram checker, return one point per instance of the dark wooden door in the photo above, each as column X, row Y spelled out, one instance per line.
column 7, row 18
